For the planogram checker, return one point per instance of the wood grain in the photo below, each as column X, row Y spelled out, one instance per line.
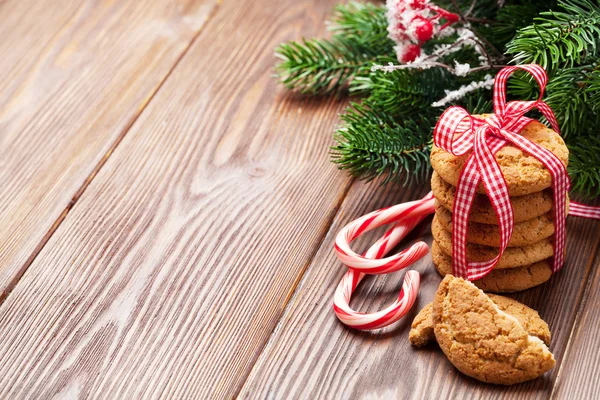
column 74, row 75
column 312, row 355
column 579, row 376
column 169, row 274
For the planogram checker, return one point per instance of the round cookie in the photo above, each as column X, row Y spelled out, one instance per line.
column 523, row 173
column 500, row 280
column 524, row 233
column 511, row 258
column 421, row 332
column 481, row 340
column 524, row 207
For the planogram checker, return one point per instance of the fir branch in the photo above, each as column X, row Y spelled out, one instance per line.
column 478, row 102
column 403, row 92
column 512, row 17
column 570, row 98
column 367, row 22
column 329, row 65
column 583, row 166
column 463, row 54
column 472, row 9
column 559, row 39
column 322, row 66
column 593, row 88
column 572, row 95
column 456, row 95
column 389, row 133
column 372, row 144
column 487, row 44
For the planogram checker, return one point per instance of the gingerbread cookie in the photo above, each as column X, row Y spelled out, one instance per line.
column 499, row 280
column 421, row 332
column 511, row 258
column 523, row 173
column 481, row 340
column 524, row 207
column 524, row 233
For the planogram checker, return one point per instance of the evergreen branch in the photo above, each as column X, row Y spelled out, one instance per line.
column 570, row 98
column 571, row 93
column 583, row 166
column 329, row 65
column 478, row 102
column 472, row 9
column 403, row 92
column 559, row 39
column 367, row 21
column 593, row 89
column 512, row 17
column 461, row 54
column 388, row 134
column 488, row 45
column 372, row 144
column 322, row 66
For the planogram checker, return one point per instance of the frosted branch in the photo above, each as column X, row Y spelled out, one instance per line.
column 453, row 95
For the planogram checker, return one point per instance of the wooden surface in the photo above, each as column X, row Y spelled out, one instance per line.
column 167, row 214
column 74, row 76
column 312, row 354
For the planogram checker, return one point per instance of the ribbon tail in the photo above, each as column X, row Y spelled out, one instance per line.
column 560, row 182
column 465, row 193
column 584, row 211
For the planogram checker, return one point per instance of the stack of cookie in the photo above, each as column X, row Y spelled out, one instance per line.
column 526, row 262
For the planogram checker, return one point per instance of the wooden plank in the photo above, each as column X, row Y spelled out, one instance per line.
column 311, row 354
column 171, row 271
column 579, row 377
column 73, row 77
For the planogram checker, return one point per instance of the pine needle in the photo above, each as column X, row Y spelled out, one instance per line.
column 318, row 66
column 560, row 39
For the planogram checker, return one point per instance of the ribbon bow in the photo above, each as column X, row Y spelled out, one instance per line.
column 458, row 132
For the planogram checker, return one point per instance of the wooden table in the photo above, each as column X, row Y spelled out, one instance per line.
column 167, row 214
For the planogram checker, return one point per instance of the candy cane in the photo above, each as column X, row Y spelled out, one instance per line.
column 405, row 216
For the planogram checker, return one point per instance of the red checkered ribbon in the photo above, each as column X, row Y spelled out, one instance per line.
column 458, row 133
column 583, row 211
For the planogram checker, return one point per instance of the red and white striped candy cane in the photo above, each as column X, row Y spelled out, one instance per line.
column 405, row 217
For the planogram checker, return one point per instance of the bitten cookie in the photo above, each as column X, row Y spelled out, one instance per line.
column 481, row 340
column 523, row 173
column 499, row 280
column 524, row 233
column 511, row 258
column 524, row 207
column 421, row 332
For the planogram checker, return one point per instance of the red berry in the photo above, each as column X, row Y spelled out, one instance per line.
column 450, row 17
column 423, row 29
column 411, row 52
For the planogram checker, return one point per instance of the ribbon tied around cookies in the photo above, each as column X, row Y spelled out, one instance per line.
column 458, row 132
